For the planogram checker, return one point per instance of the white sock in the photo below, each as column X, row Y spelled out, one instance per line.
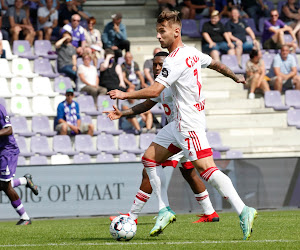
column 204, row 201
column 139, row 202
column 25, row 216
column 224, row 186
column 18, row 182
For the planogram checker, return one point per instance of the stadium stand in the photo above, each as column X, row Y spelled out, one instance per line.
column 62, row 144
column 20, row 126
column 292, row 98
column 40, row 125
column 127, row 143
column 23, row 147
column 39, row 145
column 127, row 157
column 84, row 144
column 105, row 143
column 43, row 48
column 38, row 160
column 101, row 158
column 234, row 154
column 22, row 49
column 5, row 69
column 60, row 159
column 273, row 100
column 82, row 158
column 20, row 86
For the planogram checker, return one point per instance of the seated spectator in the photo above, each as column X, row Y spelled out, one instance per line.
column 6, row 4
column 88, row 79
column 237, row 4
column 166, row 5
column 68, row 120
column 47, row 20
column 111, row 75
column 191, row 8
column 136, row 123
column 238, row 30
column 115, row 36
column 31, row 8
column 148, row 68
column 283, row 72
column 66, row 56
column 215, row 39
column 255, row 9
column 79, row 4
column 77, row 32
column 273, row 34
column 255, row 73
column 56, row 4
column 222, row 7
column 132, row 74
column 17, row 23
column 2, row 51
column 67, row 11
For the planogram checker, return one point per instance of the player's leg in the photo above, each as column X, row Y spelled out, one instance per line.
column 25, row 180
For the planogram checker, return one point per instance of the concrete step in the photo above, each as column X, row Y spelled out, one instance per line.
column 225, row 94
column 220, row 83
column 244, row 104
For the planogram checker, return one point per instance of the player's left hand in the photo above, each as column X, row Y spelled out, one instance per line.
column 240, row 79
column 113, row 114
column 116, row 94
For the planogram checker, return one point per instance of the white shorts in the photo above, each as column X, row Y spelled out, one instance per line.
column 194, row 144
column 178, row 158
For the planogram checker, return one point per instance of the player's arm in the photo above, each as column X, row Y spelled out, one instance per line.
column 6, row 131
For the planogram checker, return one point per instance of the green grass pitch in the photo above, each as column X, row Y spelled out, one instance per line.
column 272, row 230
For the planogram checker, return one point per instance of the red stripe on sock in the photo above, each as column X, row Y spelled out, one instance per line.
column 208, row 172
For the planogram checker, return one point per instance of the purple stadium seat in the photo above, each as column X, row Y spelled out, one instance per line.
column 104, row 103
column 22, row 49
column 62, row 144
column 296, row 59
column 269, row 4
column 105, row 158
column 273, row 100
column 268, row 59
column 61, row 84
column 216, row 154
column 105, row 143
column 19, row 125
column 293, row 117
column 129, row 157
column 224, row 20
column 104, row 124
column 87, row 105
column 201, row 22
column 22, row 146
column 121, row 60
column 39, row 145
column 127, row 143
column 280, row 5
column 38, row 160
column 145, row 140
column 189, row 28
column 3, row 103
column 21, row 161
column 43, row 67
column 232, row 63
column 252, row 25
column 245, row 59
column 88, row 119
column 82, row 159
column 261, row 23
column 43, row 48
column 234, row 154
column 84, row 144
column 292, row 98
column 40, row 125
column 215, row 141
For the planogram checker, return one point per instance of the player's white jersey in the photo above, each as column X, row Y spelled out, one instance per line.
column 182, row 73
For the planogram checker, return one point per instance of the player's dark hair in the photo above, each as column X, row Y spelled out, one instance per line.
column 172, row 17
column 108, row 51
column 253, row 53
column 161, row 53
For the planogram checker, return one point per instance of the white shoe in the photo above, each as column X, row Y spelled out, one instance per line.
column 251, row 96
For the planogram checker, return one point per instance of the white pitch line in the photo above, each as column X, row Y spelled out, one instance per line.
column 148, row 243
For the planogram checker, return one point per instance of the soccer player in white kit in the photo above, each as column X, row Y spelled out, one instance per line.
column 186, row 167
column 182, row 73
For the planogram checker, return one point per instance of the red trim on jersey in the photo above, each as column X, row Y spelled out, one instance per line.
column 187, row 165
column 204, row 153
column 171, row 163
column 173, row 149
column 173, row 54
column 149, row 163
column 208, row 172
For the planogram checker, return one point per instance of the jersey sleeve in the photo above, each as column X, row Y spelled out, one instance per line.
column 156, row 99
column 205, row 60
column 169, row 73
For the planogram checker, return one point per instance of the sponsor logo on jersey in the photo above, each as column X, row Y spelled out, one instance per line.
column 200, row 106
column 191, row 61
column 7, row 119
column 164, row 72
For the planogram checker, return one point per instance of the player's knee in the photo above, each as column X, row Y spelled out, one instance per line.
column 4, row 185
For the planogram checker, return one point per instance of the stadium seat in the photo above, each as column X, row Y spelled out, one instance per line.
column 280, row 5
column 38, row 160
column 43, row 67
column 87, row 105
column 121, row 60
column 201, row 22
column 261, row 23
column 8, row 54
column 22, row 146
column 20, row 105
column 215, row 141
column 20, row 86
column 105, row 103
column 232, row 63
column 42, row 86
column 61, row 84
column 22, row 49
column 293, row 117
column 288, row 39
column 41, row 105
column 292, row 98
column 105, row 143
column 268, row 59
column 20, row 127
column 62, row 144
column 57, row 100
column 104, row 124
column 88, row 120
column 60, row 159
column 189, row 28
column 5, row 69
column 101, row 158
column 40, row 125
column 273, row 100
column 127, row 157
column 127, row 143
column 44, row 49
column 21, row 67
column 252, row 25
column 245, row 59
column 39, row 145
column 82, row 158
column 21, row 161
column 216, row 154
column 5, row 92
column 84, row 144
column 234, row 154
column 145, row 140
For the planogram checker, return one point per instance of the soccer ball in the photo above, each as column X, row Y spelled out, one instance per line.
column 122, row 228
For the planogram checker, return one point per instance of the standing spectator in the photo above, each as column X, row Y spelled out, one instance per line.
column 47, row 20
column 191, row 8
column 238, row 30
column 68, row 119
column 148, row 68
column 115, row 36
column 255, row 9
column 237, row 4
column 283, row 70
column 273, row 34
column 222, row 7
column 67, row 11
column 16, row 22
column 88, row 80
column 132, row 74
column 111, row 75
column 77, row 32
column 215, row 39
column 256, row 72
column 66, row 56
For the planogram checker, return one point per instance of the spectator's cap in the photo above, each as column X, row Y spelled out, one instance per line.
column 214, row 13
column 116, row 16
column 96, row 47
column 69, row 90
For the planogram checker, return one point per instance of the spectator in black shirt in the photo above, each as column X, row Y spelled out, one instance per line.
column 255, row 9
column 192, row 7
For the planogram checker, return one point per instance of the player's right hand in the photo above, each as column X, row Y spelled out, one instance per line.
column 116, row 94
column 240, row 79
column 113, row 114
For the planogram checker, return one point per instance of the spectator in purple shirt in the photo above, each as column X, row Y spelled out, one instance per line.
column 77, row 32
column 9, row 152
column 273, row 34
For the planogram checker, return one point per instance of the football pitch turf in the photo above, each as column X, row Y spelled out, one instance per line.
column 272, row 230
